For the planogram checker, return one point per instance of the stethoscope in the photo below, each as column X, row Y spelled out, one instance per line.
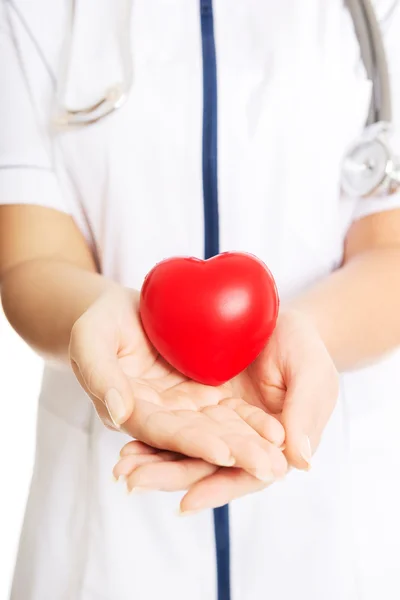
column 370, row 167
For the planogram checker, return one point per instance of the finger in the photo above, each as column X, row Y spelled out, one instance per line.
column 99, row 406
column 250, row 451
column 137, row 447
column 197, row 435
column 191, row 395
column 169, row 476
column 186, row 432
column 220, row 489
column 126, row 466
column 100, row 373
column 259, row 458
column 310, row 398
column 264, row 424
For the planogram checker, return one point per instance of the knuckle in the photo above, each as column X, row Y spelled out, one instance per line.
column 211, row 411
column 152, row 424
column 250, row 413
column 233, row 403
column 183, row 469
column 90, row 376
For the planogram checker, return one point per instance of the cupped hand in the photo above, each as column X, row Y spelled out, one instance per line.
column 133, row 389
column 294, row 379
column 147, row 469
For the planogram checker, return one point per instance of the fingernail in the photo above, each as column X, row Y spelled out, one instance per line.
column 137, row 490
column 229, row 462
column 188, row 513
column 115, row 406
column 266, row 476
column 306, row 452
column 118, row 479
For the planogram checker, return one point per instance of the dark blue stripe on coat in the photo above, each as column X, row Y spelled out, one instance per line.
column 211, row 241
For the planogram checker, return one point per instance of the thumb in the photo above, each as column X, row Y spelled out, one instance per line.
column 310, row 399
column 101, row 376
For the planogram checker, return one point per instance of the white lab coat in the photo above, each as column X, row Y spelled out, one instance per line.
column 292, row 95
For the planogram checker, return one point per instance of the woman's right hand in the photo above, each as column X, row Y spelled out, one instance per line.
column 134, row 389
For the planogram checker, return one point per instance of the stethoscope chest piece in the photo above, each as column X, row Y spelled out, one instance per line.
column 370, row 167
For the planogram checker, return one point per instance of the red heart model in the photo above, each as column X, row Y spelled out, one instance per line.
column 209, row 319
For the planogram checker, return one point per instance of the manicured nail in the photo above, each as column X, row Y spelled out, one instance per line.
column 306, row 452
column 116, row 407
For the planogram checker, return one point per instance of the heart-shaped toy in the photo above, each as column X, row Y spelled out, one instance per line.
column 209, row 319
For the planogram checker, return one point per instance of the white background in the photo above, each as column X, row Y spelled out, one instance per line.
column 20, row 374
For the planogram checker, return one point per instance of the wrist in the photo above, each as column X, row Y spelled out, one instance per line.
column 298, row 313
column 324, row 317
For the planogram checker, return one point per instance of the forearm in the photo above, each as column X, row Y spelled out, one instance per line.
column 357, row 308
column 43, row 298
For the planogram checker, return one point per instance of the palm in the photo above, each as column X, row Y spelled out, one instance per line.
column 163, row 410
column 264, row 383
column 188, row 419
column 154, row 380
column 213, row 423
column 288, row 380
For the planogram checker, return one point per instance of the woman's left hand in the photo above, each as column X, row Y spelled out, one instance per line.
column 293, row 379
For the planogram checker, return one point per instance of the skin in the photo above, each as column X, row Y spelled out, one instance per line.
column 193, row 437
